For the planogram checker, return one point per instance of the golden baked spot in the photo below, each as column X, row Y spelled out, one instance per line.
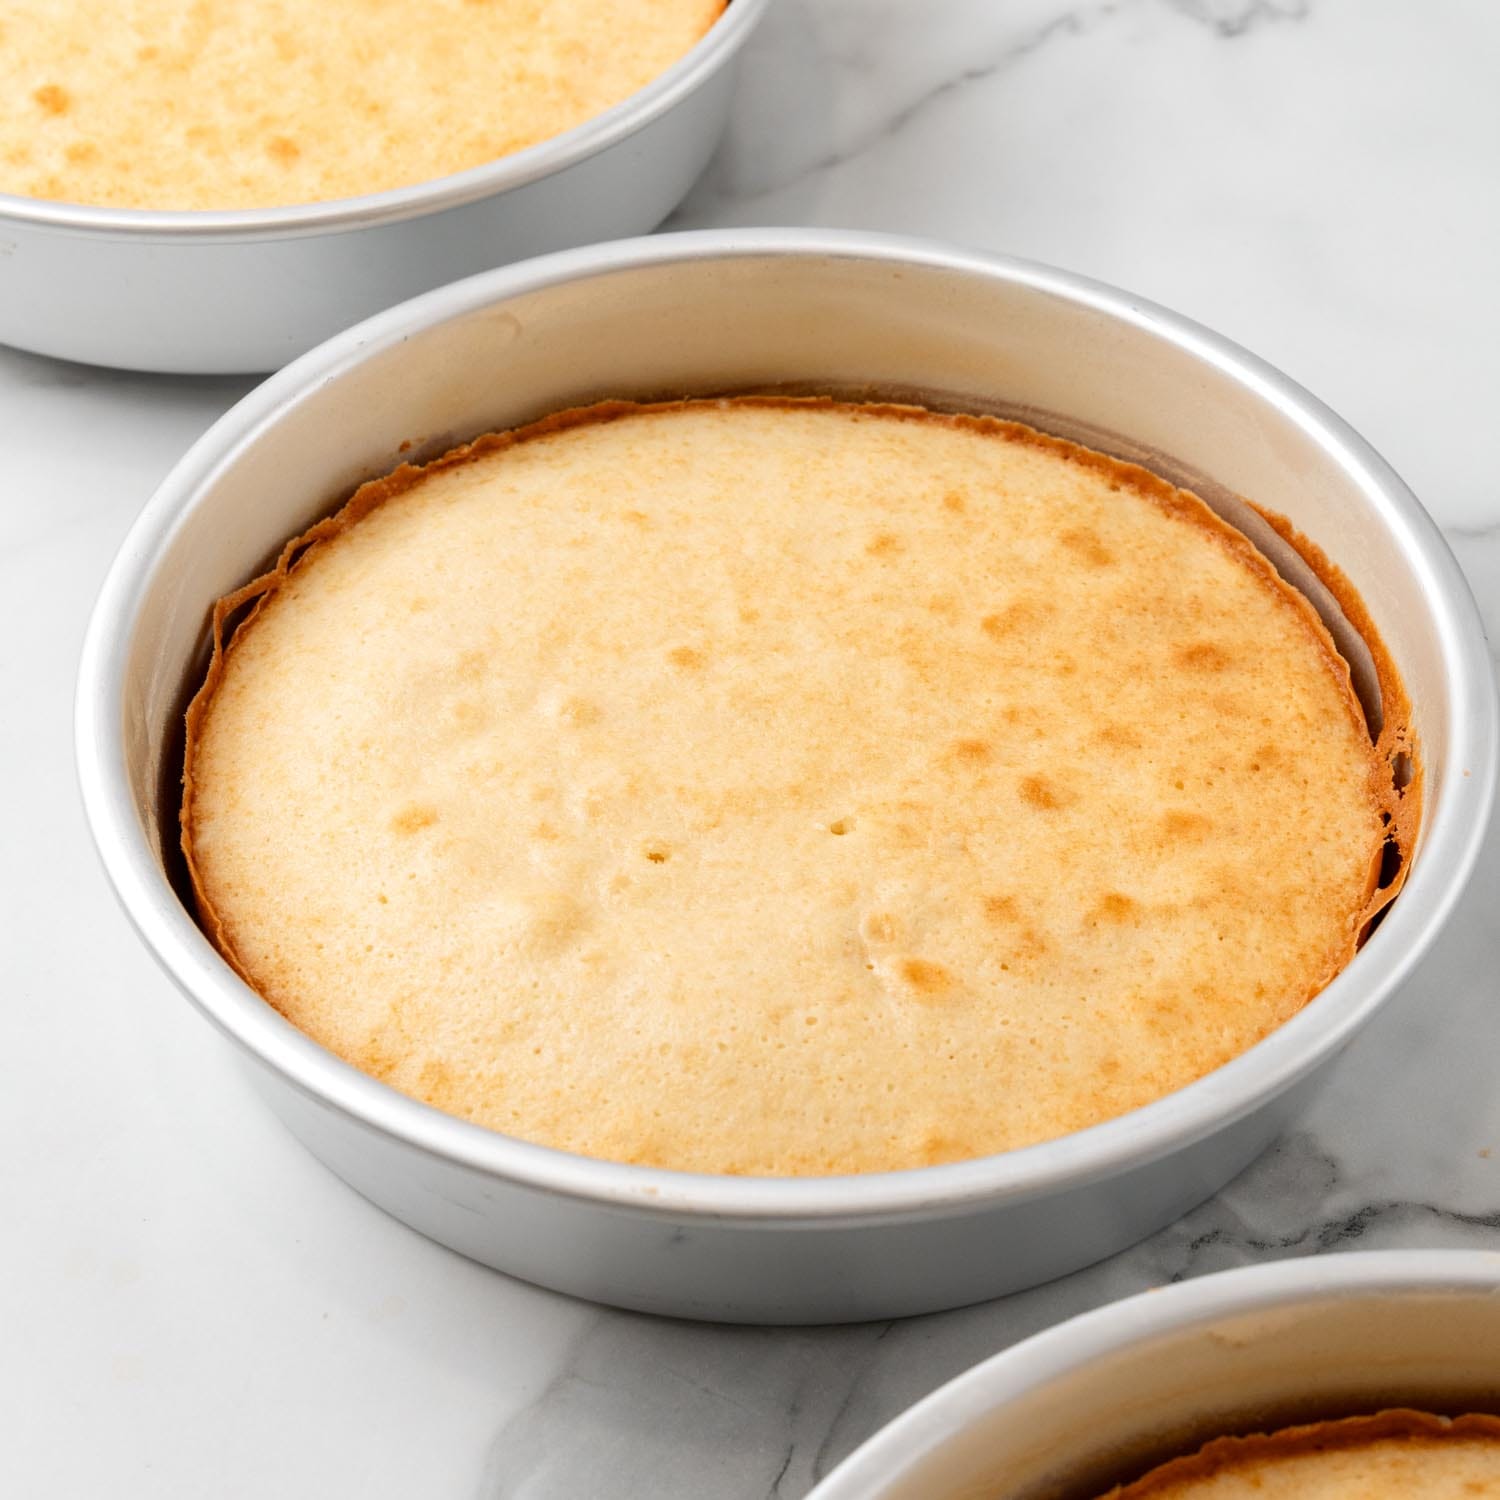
column 1038, row 791
column 1120, row 737
column 1185, row 826
column 414, row 818
column 53, row 98
column 379, row 1059
column 925, row 977
column 869, row 885
column 938, row 1146
column 579, row 712
column 435, row 1082
column 227, row 104
column 1391, row 1455
column 1113, row 907
column 81, row 151
column 955, row 502
column 1017, row 616
column 1086, row 545
column 1031, row 946
column 883, row 543
column 1203, row 656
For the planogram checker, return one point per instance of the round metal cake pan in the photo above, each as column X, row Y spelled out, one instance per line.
column 711, row 312
column 1106, row 1396
column 221, row 292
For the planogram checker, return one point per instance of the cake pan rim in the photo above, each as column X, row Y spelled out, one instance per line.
column 1446, row 852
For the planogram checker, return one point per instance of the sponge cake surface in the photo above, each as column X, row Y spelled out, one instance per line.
column 224, row 104
column 782, row 788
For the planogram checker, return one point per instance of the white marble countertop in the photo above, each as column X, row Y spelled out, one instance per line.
column 190, row 1306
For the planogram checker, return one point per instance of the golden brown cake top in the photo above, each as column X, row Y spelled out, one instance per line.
column 1394, row 1455
column 217, row 104
column 781, row 788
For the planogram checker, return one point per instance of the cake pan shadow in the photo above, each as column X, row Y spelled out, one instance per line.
column 1106, row 1396
column 224, row 292
column 711, row 312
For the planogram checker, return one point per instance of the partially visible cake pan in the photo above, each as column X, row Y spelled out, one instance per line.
column 245, row 290
column 713, row 312
column 1106, row 1396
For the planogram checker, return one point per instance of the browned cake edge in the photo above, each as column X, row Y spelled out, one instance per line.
column 1397, row 766
column 1398, row 807
column 1401, row 1423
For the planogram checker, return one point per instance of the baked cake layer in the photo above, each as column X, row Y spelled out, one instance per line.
column 219, row 104
column 782, row 788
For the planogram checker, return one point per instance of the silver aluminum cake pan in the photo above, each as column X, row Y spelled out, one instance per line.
column 1106, row 1396
column 241, row 290
column 717, row 311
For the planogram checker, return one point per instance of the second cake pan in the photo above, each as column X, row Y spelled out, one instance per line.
column 1108, row 1395
column 222, row 292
